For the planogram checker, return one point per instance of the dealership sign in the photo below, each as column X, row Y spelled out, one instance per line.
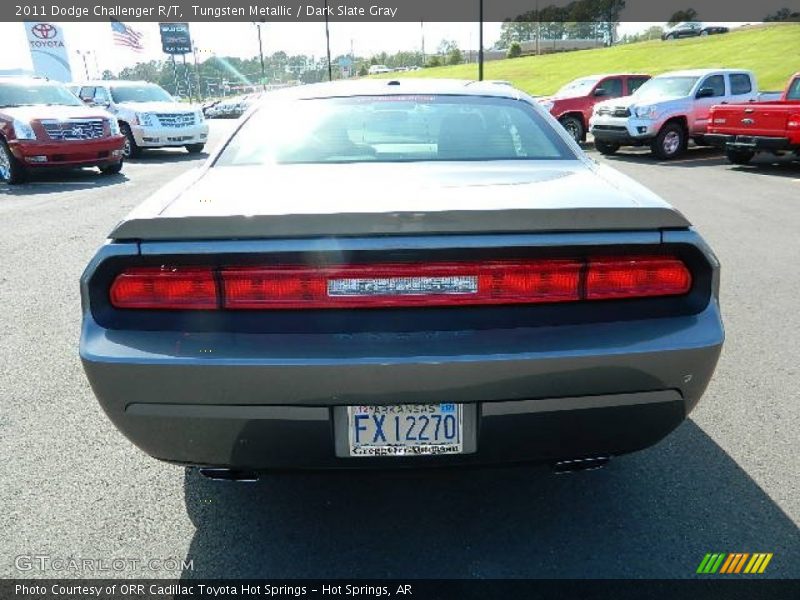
column 175, row 38
column 48, row 51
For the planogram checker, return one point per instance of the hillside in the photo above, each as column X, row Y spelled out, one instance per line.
column 772, row 51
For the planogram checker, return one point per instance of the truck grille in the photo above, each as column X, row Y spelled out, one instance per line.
column 617, row 111
column 74, row 129
column 176, row 119
column 610, row 128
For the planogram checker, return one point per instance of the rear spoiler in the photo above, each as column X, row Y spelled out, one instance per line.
column 231, row 227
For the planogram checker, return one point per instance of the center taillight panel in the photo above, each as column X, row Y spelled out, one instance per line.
column 379, row 285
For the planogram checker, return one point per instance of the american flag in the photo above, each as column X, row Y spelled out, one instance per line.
column 127, row 36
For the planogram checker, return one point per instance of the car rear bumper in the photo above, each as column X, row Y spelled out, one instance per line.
column 261, row 401
column 158, row 137
column 89, row 153
column 750, row 142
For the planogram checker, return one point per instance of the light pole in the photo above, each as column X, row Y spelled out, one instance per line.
column 197, row 72
column 422, row 33
column 328, row 43
column 258, row 25
column 83, row 54
column 480, row 40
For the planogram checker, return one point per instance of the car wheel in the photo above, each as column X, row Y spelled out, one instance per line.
column 671, row 36
column 606, row 148
column 195, row 148
column 739, row 157
column 703, row 33
column 131, row 149
column 111, row 169
column 574, row 127
column 670, row 142
column 11, row 171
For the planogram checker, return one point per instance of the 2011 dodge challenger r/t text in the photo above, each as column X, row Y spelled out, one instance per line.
column 375, row 274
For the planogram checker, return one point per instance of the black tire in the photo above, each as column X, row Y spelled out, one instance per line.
column 739, row 157
column 606, row 148
column 671, row 36
column 12, row 171
column 670, row 142
column 131, row 148
column 195, row 148
column 111, row 169
column 574, row 127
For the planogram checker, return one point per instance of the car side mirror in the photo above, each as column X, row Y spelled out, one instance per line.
column 705, row 92
column 601, row 92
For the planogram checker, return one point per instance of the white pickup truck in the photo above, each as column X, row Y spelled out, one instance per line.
column 668, row 110
column 148, row 116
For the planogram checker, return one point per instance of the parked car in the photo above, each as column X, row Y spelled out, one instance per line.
column 233, row 107
column 43, row 125
column 210, row 108
column 745, row 129
column 148, row 116
column 572, row 105
column 668, row 110
column 378, row 69
column 431, row 272
column 692, row 29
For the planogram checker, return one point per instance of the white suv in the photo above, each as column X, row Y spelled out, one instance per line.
column 148, row 116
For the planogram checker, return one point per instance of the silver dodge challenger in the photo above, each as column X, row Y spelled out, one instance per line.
column 403, row 273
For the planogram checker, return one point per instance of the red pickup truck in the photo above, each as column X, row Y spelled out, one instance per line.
column 744, row 129
column 572, row 105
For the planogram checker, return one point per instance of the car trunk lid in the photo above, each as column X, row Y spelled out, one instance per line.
column 396, row 199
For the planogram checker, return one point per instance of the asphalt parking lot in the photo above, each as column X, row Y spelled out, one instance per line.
column 728, row 480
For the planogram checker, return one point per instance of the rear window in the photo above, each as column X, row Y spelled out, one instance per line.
column 394, row 129
column 740, row 84
column 793, row 93
column 634, row 83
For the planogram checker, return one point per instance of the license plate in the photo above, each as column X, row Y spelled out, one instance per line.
column 405, row 429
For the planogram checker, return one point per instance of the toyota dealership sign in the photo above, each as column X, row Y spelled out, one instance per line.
column 48, row 50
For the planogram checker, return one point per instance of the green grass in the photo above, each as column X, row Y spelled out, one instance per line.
column 771, row 51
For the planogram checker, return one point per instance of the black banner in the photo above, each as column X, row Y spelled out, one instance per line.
column 399, row 10
column 130, row 589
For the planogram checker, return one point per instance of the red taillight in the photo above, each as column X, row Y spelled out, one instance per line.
column 373, row 286
column 165, row 288
column 402, row 285
column 636, row 277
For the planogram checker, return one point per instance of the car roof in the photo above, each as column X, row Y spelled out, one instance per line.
column 400, row 86
column 28, row 80
column 604, row 75
column 699, row 72
column 117, row 82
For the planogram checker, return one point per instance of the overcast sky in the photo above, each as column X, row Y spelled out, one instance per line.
column 239, row 39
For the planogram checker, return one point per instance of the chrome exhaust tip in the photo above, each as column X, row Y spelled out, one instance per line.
column 592, row 463
column 236, row 475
